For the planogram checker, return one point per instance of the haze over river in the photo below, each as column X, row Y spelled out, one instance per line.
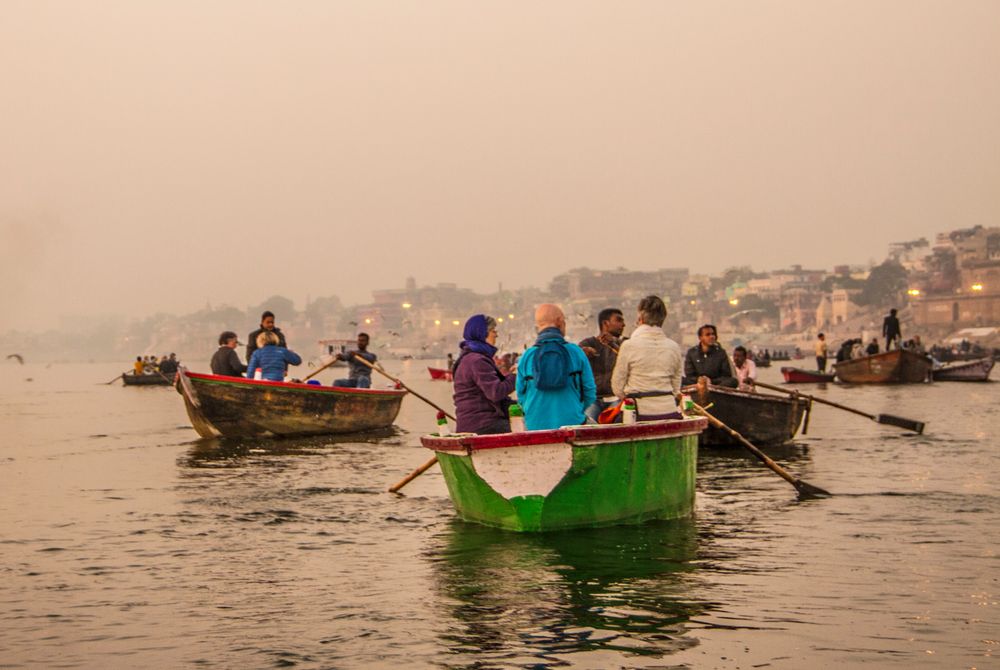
column 127, row 541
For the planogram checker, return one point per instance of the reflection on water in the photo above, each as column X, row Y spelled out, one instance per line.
column 227, row 452
column 623, row 590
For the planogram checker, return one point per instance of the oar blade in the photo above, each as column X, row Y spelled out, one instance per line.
column 909, row 424
column 807, row 490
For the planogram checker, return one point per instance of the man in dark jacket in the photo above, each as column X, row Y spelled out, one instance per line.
column 602, row 352
column 225, row 361
column 890, row 330
column 266, row 323
column 707, row 359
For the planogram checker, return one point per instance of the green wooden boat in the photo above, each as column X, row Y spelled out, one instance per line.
column 572, row 477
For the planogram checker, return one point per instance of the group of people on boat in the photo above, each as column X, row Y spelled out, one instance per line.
column 559, row 383
column 149, row 365
column 268, row 356
column 855, row 348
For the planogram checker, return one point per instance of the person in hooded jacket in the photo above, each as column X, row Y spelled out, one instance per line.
column 481, row 390
column 272, row 358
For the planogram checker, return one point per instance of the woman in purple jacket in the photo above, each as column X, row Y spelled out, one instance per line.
column 481, row 390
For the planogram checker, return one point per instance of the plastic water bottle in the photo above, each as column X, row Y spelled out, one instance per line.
column 628, row 411
column 516, row 418
column 258, row 374
column 442, row 425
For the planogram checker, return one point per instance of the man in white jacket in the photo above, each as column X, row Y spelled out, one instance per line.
column 650, row 364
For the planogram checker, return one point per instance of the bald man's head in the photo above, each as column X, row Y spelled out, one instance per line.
column 550, row 316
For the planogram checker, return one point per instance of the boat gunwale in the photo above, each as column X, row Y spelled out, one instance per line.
column 585, row 435
column 223, row 380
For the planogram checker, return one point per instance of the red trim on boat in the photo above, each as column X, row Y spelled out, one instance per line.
column 222, row 379
column 576, row 435
column 801, row 376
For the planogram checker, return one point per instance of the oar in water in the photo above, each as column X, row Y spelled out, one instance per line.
column 423, row 468
column 805, row 489
column 888, row 419
column 115, row 379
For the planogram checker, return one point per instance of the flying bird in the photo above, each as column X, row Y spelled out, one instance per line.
column 353, row 323
column 18, row 357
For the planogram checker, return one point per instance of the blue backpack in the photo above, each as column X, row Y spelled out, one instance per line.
column 552, row 368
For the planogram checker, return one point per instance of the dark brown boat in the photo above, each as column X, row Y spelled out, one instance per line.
column 761, row 418
column 155, row 379
column 898, row 366
column 220, row 406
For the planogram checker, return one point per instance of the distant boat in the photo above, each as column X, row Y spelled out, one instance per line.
column 155, row 379
column 220, row 406
column 572, row 477
column 800, row 376
column 966, row 371
column 898, row 366
column 439, row 374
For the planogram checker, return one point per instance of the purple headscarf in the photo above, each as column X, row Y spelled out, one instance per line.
column 476, row 330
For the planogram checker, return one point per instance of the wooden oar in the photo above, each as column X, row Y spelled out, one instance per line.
column 413, row 475
column 169, row 380
column 804, row 489
column 379, row 369
column 423, row 468
column 114, row 380
column 888, row 419
column 319, row 370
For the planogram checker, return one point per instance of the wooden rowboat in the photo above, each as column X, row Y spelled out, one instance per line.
column 800, row 376
column 761, row 418
column 220, row 406
column 131, row 379
column 966, row 371
column 898, row 366
column 439, row 374
column 573, row 477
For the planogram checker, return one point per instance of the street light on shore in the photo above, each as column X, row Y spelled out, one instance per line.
column 977, row 287
column 913, row 292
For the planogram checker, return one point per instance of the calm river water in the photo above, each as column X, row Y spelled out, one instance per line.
column 127, row 541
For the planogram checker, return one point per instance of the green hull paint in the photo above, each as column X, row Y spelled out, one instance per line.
column 608, row 484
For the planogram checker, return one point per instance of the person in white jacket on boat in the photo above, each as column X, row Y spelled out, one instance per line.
column 650, row 364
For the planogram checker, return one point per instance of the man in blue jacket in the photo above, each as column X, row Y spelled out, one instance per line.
column 554, row 383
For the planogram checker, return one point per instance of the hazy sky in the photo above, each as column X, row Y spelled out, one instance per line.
column 155, row 155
